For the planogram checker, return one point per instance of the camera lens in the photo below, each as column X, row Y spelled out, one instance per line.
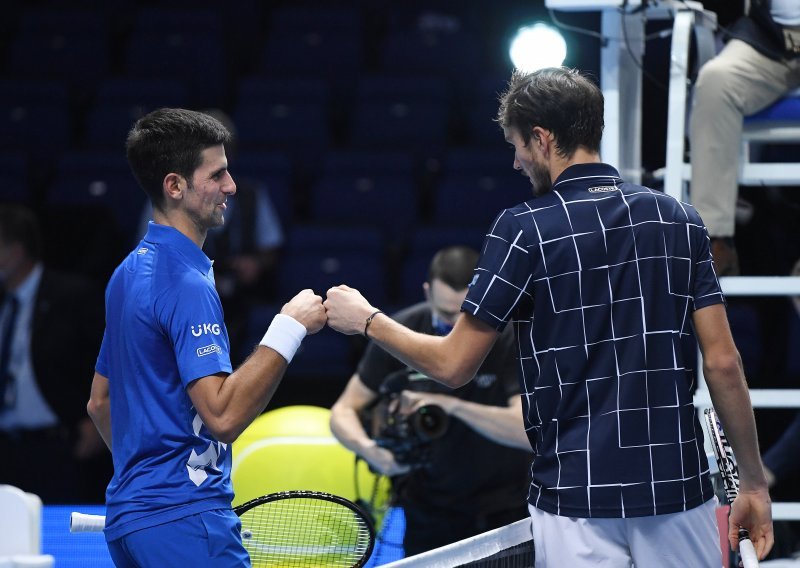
column 429, row 422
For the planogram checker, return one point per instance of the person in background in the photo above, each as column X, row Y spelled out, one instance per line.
column 606, row 284
column 51, row 324
column 164, row 396
column 759, row 64
column 473, row 477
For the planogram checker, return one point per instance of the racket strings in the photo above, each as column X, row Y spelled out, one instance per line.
column 304, row 532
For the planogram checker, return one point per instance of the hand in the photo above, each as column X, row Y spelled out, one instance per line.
column 382, row 461
column 347, row 310
column 412, row 400
column 753, row 511
column 306, row 307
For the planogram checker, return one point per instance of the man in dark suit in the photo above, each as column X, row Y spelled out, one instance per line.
column 50, row 328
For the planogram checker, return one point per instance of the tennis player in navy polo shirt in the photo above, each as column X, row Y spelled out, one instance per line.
column 164, row 384
column 606, row 284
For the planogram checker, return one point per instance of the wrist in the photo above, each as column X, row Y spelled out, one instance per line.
column 366, row 448
column 284, row 335
column 368, row 321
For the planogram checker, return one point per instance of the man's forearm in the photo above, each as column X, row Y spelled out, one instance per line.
column 347, row 428
column 102, row 421
column 731, row 400
column 501, row 424
column 452, row 360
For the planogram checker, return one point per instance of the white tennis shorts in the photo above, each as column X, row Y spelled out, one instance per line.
column 678, row 540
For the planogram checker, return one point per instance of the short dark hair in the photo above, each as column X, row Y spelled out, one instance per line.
column 18, row 224
column 170, row 140
column 562, row 100
column 454, row 266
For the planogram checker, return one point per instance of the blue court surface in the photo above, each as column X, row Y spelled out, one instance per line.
column 88, row 550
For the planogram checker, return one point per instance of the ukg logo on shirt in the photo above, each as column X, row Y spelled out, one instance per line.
column 205, row 329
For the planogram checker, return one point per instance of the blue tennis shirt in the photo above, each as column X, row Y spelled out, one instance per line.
column 164, row 329
column 599, row 279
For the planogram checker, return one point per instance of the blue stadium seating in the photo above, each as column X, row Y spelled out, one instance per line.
column 259, row 89
column 15, row 187
column 416, row 126
column 469, row 199
column 40, row 129
column 194, row 58
column 320, row 257
column 147, row 92
column 101, row 182
column 299, row 129
column 388, row 202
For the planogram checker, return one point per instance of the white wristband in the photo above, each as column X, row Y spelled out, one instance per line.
column 284, row 336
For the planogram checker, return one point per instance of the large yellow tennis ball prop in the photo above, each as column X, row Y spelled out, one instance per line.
column 293, row 448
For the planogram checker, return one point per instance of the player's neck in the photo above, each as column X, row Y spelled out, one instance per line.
column 179, row 220
column 580, row 156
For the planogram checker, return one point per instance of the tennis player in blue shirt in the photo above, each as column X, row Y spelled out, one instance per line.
column 164, row 385
column 606, row 284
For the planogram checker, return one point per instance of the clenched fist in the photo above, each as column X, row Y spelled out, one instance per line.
column 347, row 310
column 306, row 307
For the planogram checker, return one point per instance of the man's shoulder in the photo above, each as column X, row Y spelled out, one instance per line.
column 670, row 207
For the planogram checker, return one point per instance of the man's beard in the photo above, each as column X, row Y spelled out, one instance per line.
column 540, row 178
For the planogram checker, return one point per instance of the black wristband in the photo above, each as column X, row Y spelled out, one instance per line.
column 369, row 321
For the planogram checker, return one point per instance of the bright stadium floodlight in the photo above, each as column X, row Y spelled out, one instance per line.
column 537, row 46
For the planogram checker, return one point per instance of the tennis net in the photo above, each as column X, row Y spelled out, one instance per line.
column 507, row 547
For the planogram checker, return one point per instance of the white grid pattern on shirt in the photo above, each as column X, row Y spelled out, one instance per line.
column 600, row 288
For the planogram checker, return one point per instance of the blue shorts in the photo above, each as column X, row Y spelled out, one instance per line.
column 209, row 539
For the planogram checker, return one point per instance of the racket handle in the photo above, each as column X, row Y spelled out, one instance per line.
column 748, row 553
column 80, row 522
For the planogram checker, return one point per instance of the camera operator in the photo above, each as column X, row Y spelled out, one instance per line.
column 474, row 476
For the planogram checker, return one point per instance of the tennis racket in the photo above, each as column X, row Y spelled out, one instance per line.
column 292, row 529
column 726, row 462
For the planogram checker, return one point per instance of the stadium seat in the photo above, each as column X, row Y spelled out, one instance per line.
column 452, row 54
column 178, row 19
column 57, row 18
column 387, row 202
column 291, row 127
column 40, row 129
column 333, row 55
column 478, row 161
column 98, row 181
column 107, row 125
column 343, row 19
column 417, row 126
column 368, row 163
column 33, row 91
column 402, row 88
column 141, row 91
column 258, row 89
column 468, row 199
column 197, row 60
column 15, row 187
column 321, row 257
column 78, row 59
